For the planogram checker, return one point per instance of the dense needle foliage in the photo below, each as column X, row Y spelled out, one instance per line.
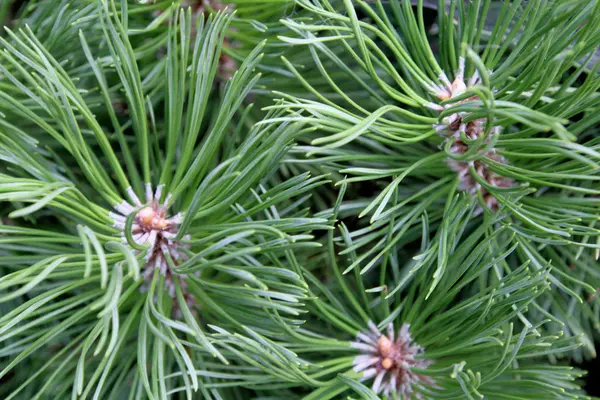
column 310, row 199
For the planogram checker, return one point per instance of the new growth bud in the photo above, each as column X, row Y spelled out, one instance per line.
column 389, row 359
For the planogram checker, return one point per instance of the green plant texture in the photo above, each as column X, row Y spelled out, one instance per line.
column 299, row 199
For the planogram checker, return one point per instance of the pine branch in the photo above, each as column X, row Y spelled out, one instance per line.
column 492, row 140
column 141, row 272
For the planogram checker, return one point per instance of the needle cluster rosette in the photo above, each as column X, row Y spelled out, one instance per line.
column 454, row 127
column 152, row 227
column 388, row 359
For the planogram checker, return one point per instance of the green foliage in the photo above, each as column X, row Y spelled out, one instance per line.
column 523, row 80
column 298, row 199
